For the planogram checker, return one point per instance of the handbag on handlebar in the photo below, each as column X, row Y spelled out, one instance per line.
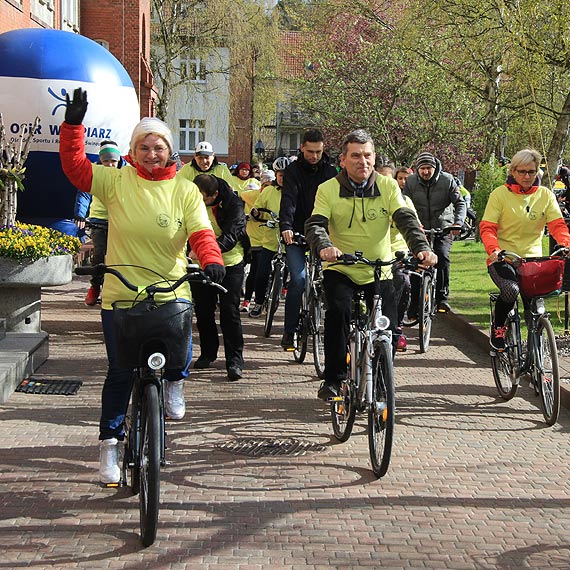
column 540, row 276
column 144, row 327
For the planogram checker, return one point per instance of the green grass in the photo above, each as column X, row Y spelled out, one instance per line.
column 470, row 285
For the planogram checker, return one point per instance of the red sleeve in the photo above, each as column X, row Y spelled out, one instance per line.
column 204, row 243
column 559, row 231
column 488, row 233
column 76, row 166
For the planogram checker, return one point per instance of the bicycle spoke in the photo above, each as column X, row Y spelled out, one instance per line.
column 547, row 372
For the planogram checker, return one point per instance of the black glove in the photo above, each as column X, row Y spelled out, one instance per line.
column 215, row 272
column 75, row 110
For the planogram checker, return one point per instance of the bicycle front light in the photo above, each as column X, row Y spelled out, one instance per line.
column 540, row 308
column 156, row 361
column 381, row 323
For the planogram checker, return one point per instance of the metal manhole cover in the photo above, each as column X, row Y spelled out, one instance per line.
column 261, row 447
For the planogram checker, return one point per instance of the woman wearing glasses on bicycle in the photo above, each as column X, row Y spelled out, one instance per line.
column 152, row 215
column 514, row 220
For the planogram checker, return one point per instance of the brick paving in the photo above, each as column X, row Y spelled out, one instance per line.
column 475, row 482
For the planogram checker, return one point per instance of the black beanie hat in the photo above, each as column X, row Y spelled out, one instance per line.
column 426, row 159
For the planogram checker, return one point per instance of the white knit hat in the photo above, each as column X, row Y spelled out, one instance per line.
column 152, row 126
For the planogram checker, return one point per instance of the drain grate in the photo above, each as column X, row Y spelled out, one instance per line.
column 262, row 447
column 51, row 387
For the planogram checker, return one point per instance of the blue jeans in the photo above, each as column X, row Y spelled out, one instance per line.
column 119, row 382
column 296, row 267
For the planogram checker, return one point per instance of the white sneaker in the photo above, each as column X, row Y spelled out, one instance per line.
column 109, row 470
column 175, row 405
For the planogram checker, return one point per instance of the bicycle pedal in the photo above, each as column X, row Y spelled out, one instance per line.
column 291, row 349
column 336, row 399
column 111, row 485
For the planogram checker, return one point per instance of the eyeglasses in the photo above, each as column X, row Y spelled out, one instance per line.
column 156, row 149
column 526, row 172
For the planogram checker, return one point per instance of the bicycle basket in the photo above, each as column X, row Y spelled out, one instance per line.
column 540, row 276
column 145, row 327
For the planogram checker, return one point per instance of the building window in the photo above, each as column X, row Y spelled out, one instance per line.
column 192, row 69
column 43, row 10
column 192, row 131
column 103, row 43
column 294, row 142
column 70, row 14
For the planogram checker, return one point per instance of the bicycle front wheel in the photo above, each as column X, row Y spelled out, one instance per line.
column 273, row 300
column 504, row 364
column 316, row 311
column 382, row 411
column 149, row 495
column 425, row 313
column 545, row 372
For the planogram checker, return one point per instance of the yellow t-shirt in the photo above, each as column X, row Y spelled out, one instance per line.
column 254, row 229
column 234, row 255
column 97, row 209
column 220, row 170
column 371, row 236
column 270, row 199
column 149, row 225
column 239, row 185
column 521, row 218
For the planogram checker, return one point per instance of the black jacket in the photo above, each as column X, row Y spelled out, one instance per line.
column 230, row 216
column 300, row 183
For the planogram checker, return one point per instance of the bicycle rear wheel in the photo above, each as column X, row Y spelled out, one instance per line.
column 545, row 372
column 381, row 414
column 425, row 314
column 301, row 340
column 316, row 311
column 149, row 496
column 343, row 408
column 504, row 364
column 273, row 300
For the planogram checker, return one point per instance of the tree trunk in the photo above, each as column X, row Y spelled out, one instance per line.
column 557, row 143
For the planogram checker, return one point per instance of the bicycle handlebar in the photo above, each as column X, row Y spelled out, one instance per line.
column 357, row 257
column 560, row 251
column 193, row 273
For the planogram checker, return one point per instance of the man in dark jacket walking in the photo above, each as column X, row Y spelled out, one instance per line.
column 226, row 214
column 301, row 180
column 439, row 204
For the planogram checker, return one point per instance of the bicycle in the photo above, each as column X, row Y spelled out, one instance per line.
column 539, row 358
column 427, row 306
column 311, row 314
column 369, row 384
column 152, row 336
column 276, row 275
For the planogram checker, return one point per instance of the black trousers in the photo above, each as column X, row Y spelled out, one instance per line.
column 442, row 248
column 339, row 290
column 205, row 300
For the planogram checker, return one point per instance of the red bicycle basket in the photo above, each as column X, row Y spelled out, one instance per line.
column 540, row 276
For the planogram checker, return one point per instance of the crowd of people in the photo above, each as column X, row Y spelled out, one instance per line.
column 157, row 214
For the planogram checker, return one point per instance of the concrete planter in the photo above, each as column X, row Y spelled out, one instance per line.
column 21, row 285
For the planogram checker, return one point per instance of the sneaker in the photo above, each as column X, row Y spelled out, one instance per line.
column 497, row 340
column 203, row 362
column 256, row 311
column 327, row 391
column 109, row 470
column 92, row 295
column 234, row 372
column 402, row 344
column 443, row 306
column 288, row 341
column 175, row 405
column 244, row 307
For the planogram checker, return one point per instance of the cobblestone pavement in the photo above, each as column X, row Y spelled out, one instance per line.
column 475, row 482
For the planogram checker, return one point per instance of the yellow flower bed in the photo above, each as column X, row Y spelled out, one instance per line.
column 27, row 242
